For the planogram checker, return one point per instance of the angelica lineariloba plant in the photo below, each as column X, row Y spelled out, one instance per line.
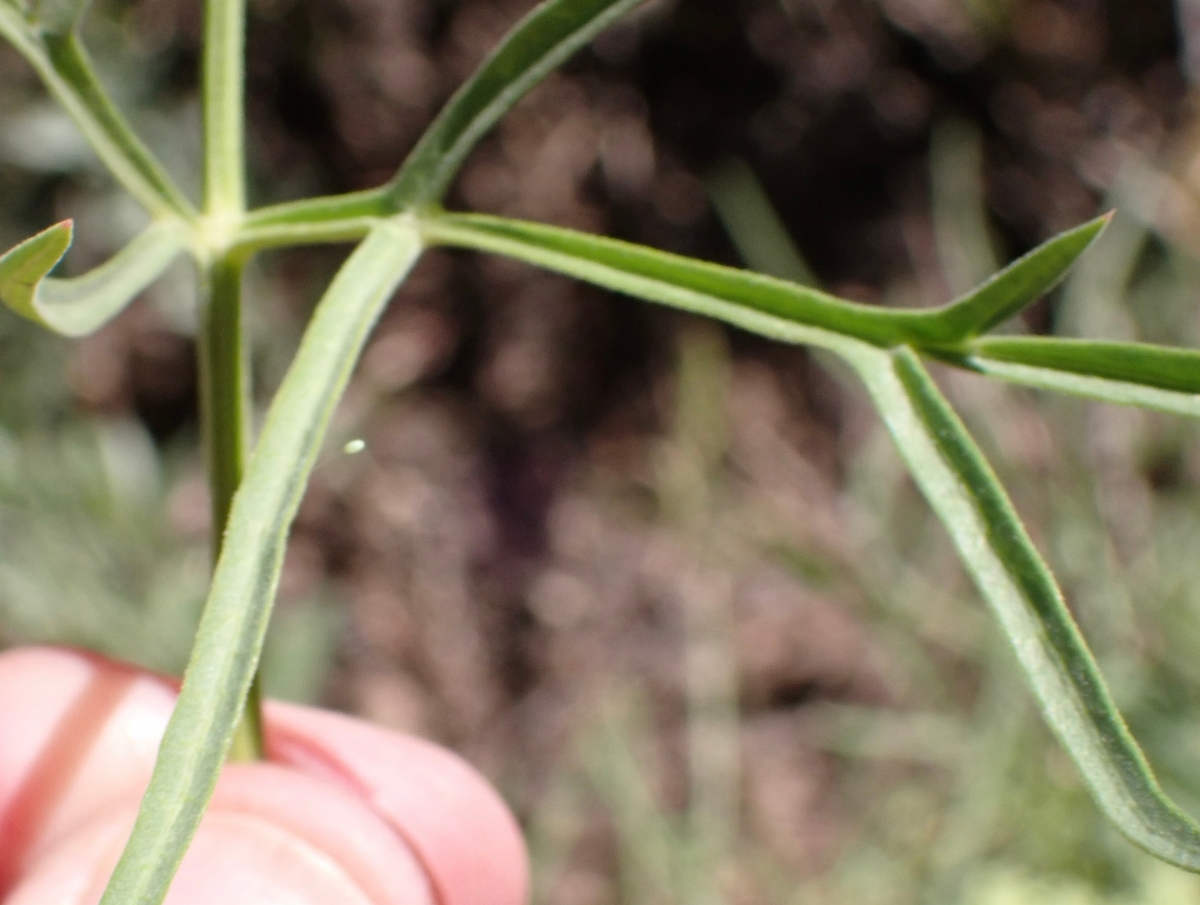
column 255, row 496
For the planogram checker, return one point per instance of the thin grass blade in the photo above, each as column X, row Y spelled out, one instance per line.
column 539, row 43
column 80, row 305
column 1022, row 593
column 755, row 227
column 229, row 640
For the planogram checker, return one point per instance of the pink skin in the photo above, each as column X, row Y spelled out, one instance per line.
column 343, row 813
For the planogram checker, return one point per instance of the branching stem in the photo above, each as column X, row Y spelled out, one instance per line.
column 225, row 379
column 225, row 406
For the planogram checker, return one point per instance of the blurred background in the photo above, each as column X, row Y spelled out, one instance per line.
column 666, row 584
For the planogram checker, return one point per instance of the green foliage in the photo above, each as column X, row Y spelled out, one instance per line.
column 959, row 484
column 540, row 42
column 230, row 637
column 761, row 304
column 63, row 65
column 1155, row 377
column 79, row 306
column 395, row 222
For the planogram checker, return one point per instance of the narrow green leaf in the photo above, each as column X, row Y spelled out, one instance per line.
column 1014, row 288
column 77, row 306
column 633, row 268
column 71, row 78
column 1164, row 367
column 324, row 212
column 692, row 285
column 965, row 494
column 63, row 66
column 945, row 462
column 1158, row 377
column 23, row 267
column 541, row 41
column 1123, row 373
column 229, row 640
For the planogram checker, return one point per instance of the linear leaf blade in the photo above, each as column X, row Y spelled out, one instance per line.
column 951, row 471
column 1163, row 378
column 79, row 305
column 65, row 69
column 1013, row 288
column 25, row 266
column 540, row 42
column 709, row 289
column 1162, row 367
column 1098, row 388
column 355, row 210
column 230, row 636
column 1022, row 593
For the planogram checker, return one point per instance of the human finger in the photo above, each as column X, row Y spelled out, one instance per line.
column 341, row 817
column 455, row 822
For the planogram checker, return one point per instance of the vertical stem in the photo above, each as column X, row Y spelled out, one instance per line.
column 225, row 405
column 224, row 389
column 224, row 109
column 224, row 380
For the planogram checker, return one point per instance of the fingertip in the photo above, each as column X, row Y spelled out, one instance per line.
column 270, row 835
column 328, row 818
column 80, row 733
column 458, row 826
column 87, row 731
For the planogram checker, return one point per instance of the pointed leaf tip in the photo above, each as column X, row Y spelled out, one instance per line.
column 1014, row 288
column 78, row 306
column 24, row 267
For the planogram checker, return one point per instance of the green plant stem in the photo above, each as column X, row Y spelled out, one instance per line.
column 253, row 238
column 225, row 382
column 224, row 399
column 232, row 628
column 224, row 106
column 327, row 209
